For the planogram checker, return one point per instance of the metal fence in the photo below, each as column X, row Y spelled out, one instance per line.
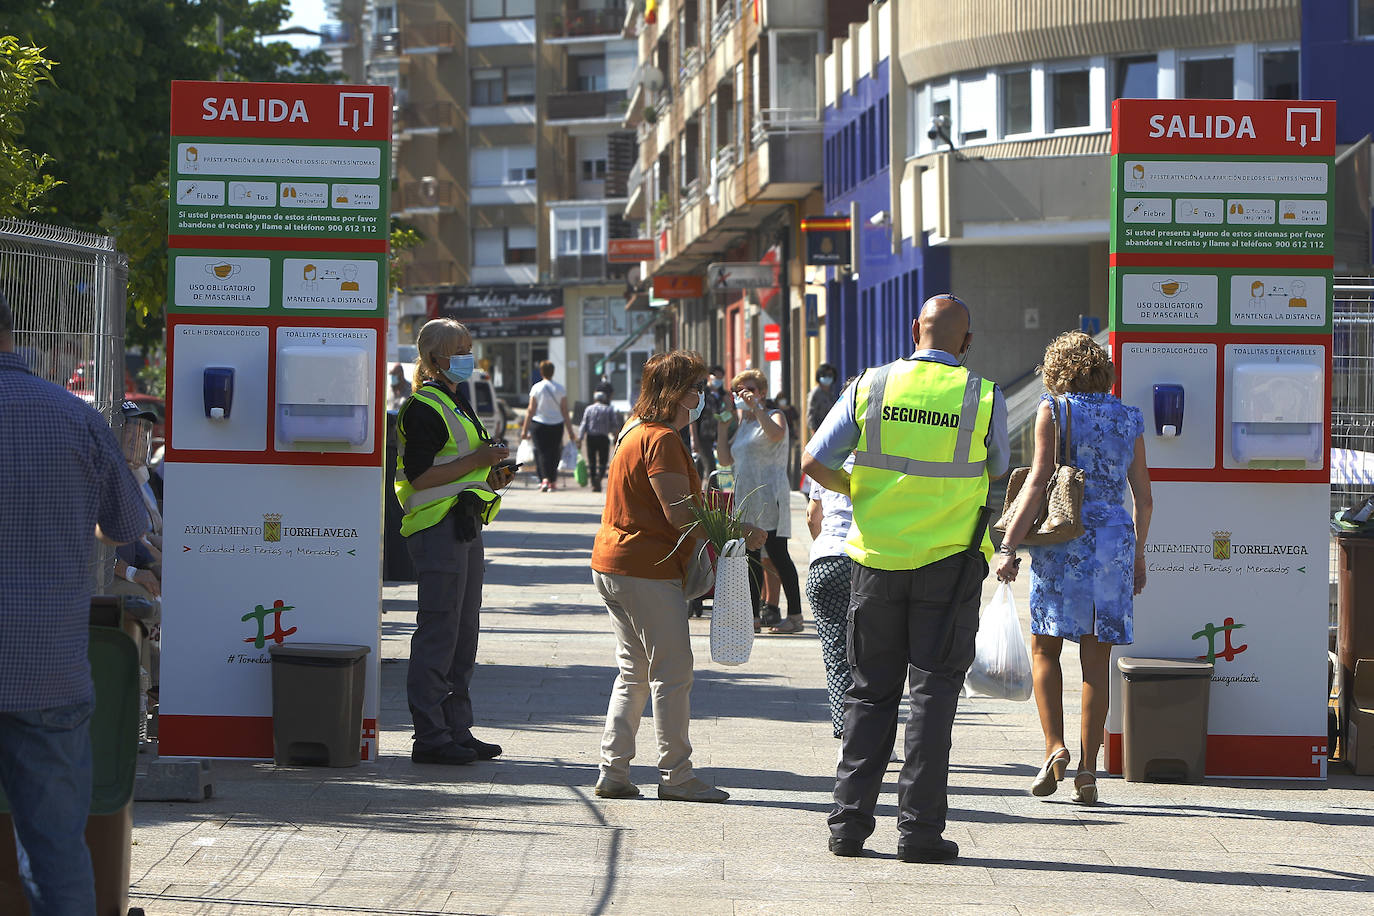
column 1352, row 392
column 67, row 291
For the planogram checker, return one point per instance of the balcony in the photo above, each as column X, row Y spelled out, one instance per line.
column 571, row 23
column 428, row 38
column 692, row 60
column 429, row 195
column 430, row 118
column 422, row 274
column 386, row 44
column 606, row 106
column 337, row 35
column 587, row 268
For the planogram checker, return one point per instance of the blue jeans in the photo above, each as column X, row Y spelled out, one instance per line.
column 45, row 770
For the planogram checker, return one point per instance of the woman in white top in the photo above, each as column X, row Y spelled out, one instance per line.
column 548, row 414
column 758, row 454
column 829, row 516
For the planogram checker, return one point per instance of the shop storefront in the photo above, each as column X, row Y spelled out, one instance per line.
column 514, row 329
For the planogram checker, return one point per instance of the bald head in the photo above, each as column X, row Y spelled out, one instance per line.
column 943, row 324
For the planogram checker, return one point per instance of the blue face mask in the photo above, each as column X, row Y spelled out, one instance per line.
column 460, row 367
column 695, row 412
column 827, row 379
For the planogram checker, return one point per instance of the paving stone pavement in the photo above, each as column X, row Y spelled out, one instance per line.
column 524, row 834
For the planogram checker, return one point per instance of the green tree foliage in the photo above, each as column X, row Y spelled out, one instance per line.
column 22, row 182
column 104, row 118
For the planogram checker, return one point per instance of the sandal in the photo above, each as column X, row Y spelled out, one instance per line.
column 758, row 625
column 770, row 616
column 793, row 624
column 1085, row 791
column 1047, row 780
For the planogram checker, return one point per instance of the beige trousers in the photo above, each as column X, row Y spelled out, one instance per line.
column 654, row 652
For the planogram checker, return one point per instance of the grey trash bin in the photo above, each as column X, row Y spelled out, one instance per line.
column 317, row 704
column 1164, row 718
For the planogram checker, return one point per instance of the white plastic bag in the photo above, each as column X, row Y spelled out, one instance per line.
column 524, row 454
column 1001, row 666
column 568, row 462
column 732, row 608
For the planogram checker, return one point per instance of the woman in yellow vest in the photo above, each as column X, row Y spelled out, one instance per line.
column 447, row 485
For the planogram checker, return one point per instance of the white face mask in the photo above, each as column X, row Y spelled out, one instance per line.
column 695, row 412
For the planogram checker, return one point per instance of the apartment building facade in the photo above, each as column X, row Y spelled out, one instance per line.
column 970, row 143
column 510, row 160
column 725, row 108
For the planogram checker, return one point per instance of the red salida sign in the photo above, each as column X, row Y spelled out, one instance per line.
column 280, row 111
column 1206, row 127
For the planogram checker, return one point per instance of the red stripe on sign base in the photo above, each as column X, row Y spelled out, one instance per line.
column 1289, row 756
column 1165, row 259
column 281, row 243
column 215, row 736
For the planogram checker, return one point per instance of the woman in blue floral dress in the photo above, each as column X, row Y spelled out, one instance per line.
column 1082, row 590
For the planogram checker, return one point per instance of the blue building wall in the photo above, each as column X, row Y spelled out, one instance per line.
column 1337, row 65
column 868, row 320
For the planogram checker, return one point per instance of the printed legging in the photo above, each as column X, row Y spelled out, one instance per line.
column 827, row 588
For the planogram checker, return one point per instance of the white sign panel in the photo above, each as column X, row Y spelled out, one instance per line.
column 277, row 159
column 230, row 281
column 1299, row 301
column 1238, row 574
column 740, row 276
column 265, row 559
column 1169, row 299
column 329, row 283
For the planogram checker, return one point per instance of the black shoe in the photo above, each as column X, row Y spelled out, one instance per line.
column 482, row 749
column 940, row 851
column 453, row 754
column 770, row 616
column 844, row 846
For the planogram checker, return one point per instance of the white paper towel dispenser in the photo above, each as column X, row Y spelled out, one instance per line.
column 324, row 394
column 1277, row 412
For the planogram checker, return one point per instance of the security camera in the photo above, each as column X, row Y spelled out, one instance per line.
column 878, row 219
column 939, row 128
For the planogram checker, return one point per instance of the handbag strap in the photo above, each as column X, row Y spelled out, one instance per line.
column 1054, row 418
column 1068, row 431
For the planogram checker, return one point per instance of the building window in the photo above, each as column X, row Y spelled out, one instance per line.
column 1016, row 102
column 794, row 75
column 1211, row 78
column 975, row 108
column 579, row 231
column 508, row 86
column 593, row 169
column 1364, row 18
column 499, row 247
column 1279, row 74
column 1070, row 97
column 502, row 9
column 502, row 165
column 1136, row 78
column 593, row 317
column 589, row 74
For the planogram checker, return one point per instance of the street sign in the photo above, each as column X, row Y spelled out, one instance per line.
column 730, row 275
column 679, row 286
column 772, row 343
column 629, row 251
column 828, row 240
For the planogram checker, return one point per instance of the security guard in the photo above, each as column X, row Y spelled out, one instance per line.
column 446, row 483
column 926, row 434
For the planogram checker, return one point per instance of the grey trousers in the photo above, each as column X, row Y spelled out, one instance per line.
column 443, row 650
column 897, row 626
column 654, row 654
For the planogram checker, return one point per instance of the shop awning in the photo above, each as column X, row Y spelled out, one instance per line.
column 625, row 345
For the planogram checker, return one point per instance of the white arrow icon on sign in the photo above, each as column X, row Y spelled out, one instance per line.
column 1307, row 117
column 357, row 104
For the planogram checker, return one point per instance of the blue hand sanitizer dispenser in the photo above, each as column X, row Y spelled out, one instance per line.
column 219, row 392
column 1168, row 411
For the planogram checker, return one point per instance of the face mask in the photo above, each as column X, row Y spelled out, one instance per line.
column 782, row 402
column 695, row 412
column 827, row 379
column 717, row 383
column 460, row 367
column 739, row 402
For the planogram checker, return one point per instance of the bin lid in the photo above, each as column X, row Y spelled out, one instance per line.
column 317, row 650
column 1164, row 667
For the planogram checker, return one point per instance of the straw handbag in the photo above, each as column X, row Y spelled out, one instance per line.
column 1060, row 517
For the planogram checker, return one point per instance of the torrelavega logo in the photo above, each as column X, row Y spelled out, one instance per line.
column 272, row 531
column 1225, row 555
column 1221, row 545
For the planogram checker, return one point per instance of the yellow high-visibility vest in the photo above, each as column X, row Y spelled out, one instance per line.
column 920, row 469
column 426, row 508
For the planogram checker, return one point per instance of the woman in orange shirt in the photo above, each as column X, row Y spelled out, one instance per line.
column 639, row 568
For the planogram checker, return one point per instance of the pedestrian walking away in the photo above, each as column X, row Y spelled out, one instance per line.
column 447, row 483
column 639, row 565
column 757, row 455
column 820, row 399
column 63, row 484
column 600, row 421
column 546, row 419
column 927, row 434
column 1083, row 590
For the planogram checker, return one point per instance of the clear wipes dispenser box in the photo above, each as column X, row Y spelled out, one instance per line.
column 323, row 395
column 1277, row 413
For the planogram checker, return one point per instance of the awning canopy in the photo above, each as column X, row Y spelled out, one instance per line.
column 624, row 345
